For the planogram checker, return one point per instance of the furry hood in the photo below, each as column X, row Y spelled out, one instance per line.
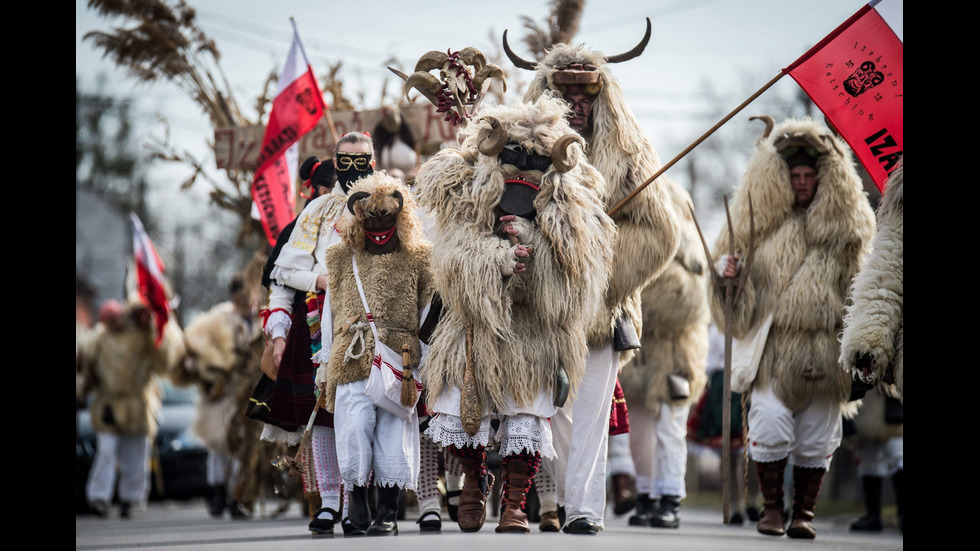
column 379, row 192
column 832, row 216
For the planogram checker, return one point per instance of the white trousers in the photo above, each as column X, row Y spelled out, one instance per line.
column 883, row 459
column 659, row 446
column 371, row 439
column 130, row 454
column 808, row 436
column 222, row 468
column 581, row 437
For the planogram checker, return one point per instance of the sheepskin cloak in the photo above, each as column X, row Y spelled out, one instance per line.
column 803, row 265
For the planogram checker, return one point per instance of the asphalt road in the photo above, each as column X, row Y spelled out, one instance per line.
column 187, row 526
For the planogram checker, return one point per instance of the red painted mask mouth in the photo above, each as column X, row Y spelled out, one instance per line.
column 380, row 237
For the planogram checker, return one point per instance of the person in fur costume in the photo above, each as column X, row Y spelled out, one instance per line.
column 517, row 312
column 223, row 345
column 300, row 269
column 813, row 227
column 874, row 329
column 871, row 350
column 119, row 363
column 647, row 240
column 674, row 342
column 383, row 252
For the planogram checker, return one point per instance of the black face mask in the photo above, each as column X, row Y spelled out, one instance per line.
column 351, row 167
column 515, row 155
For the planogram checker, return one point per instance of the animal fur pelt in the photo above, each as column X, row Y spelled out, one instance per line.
column 675, row 322
column 223, row 353
column 874, row 321
column 119, row 368
column 621, row 152
column 803, row 264
column 397, row 285
column 528, row 325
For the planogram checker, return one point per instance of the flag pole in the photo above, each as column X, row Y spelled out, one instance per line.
column 697, row 142
column 326, row 108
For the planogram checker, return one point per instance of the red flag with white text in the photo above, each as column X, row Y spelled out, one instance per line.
column 149, row 276
column 855, row 77
column 295, row 111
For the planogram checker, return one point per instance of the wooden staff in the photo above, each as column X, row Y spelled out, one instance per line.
column 298, row 460
column 730, row 288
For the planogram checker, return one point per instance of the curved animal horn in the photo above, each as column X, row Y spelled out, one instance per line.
column 431, row 60
column 355, row 197
column 770, row 123
column 422, row 81
column 559, row 152
column 491, row 142
column 401, row 200
column 490, row 71
column 474, row 57
column 637, row 50
column 517, row 60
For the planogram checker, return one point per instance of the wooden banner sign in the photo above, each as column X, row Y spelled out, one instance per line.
column 237, row 148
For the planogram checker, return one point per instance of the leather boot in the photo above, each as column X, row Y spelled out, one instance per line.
column 806, row 486
column 359, row 511
column 871, row 521
column 665, row 514
column 771, row 521
column 644, row 508
column 477, row 482
column 624, row 493
column 516, row 484
column 385, row 523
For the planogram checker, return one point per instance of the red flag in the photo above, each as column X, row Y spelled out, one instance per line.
column 295, row 111
column 149, row 276
column 855, row 77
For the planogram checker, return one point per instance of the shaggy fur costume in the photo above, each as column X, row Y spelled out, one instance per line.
column 120, row 369
column 874, row 322
column 618, row 148
column 675, row 322
column 802, row 267
column 223, row 353
column 528, row 325
column 397, row 285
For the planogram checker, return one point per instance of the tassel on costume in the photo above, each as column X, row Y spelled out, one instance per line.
column 408, row 382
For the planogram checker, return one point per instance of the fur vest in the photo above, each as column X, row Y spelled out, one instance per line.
column 874, row 322
column 675, row 323
column 397, row 285
column 802, row 267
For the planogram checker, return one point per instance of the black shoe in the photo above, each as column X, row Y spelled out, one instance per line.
column 752, row 512
column 238, row 511
column 644, row 508
column 430, row 522
column 867, row 523
column 452, row 504
column 324, row 525
column 386, row 523
column 582, row 526
column 736, row 518
column 124, row 509
column 99, row 508
column 350, row 529
column 561, row 515
column 665, row 515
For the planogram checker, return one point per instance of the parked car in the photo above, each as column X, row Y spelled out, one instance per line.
column 178, row 459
